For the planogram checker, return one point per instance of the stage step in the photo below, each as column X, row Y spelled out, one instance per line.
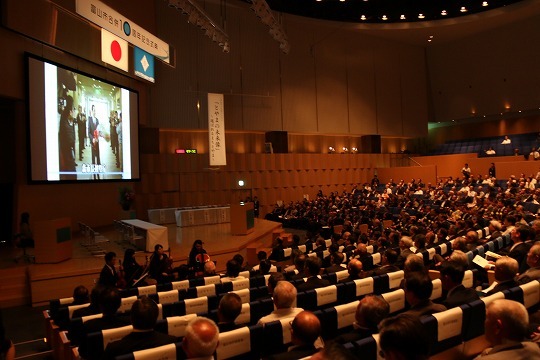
column 14, row 287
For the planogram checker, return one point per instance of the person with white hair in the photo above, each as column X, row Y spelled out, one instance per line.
column 201, row 339
column 284, row 301
column 506, row 327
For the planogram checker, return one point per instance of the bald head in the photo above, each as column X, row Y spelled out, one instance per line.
column 201, row 338
column 284, row 295
column 506, row 320
column 305, row 328
column 355, row 269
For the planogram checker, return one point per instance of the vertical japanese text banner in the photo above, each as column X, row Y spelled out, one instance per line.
column 216, row 130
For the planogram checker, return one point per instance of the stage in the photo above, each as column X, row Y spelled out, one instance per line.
column 36, row 284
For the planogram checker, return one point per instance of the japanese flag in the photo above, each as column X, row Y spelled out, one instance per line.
column 114, row 50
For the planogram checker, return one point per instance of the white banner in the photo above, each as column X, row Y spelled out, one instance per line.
column 216, row 130
column 111, row 20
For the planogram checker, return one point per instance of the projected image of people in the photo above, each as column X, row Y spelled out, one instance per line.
column 91, row 109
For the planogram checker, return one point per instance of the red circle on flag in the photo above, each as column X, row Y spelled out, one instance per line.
column 116, row 50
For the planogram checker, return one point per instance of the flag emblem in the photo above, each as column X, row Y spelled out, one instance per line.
column 114, row 50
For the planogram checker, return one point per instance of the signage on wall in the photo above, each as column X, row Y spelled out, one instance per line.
column 111, row 20
column 216, row 129
column 144, row 64
column 114, row 51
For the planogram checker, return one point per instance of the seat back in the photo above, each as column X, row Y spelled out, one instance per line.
column 168, row 297
column 444, row 329
column 396, row 300
column 326, row 295
column 242, row 343
column 164, row 352
column 176, row 325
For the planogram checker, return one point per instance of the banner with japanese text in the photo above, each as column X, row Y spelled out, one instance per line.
column 216, row 129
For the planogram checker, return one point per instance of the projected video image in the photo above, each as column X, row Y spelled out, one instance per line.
column 85, row 130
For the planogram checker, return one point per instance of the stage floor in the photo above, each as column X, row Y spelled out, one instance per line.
column 49, row 281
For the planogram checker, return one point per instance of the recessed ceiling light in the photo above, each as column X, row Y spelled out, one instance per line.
column 342, row 0
column 429, row 40
column 485, row 3
column 363, row 17
column 384, row 17
column 463, row 9
column 402, row 17
column 444, row 13
column 431, row 36
column 421, row 16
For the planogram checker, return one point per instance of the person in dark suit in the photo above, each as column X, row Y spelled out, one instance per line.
column 144, row 314
column 305, row 329
column 451, row 278
column 336, row 260
column 371, row 310
column 403, row 337
column 418, row 288
column 93, row 308
column 533, row 260
column 405, row 245
column 311, row 270
column 519, row 248
column 355, row 267
column 299, row 263
column 109, row 303
column 230, row 306
column 506, row 269
column 388, row 261
column 108, row 275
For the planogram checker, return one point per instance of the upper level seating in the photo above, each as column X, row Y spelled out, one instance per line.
column 523, row 142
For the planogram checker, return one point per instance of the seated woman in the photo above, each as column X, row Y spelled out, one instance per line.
column 132, row 270
column 159, row 267
column 197, row 258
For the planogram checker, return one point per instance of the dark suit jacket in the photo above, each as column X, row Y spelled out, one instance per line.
column 313, row 283
column 224, row 327
column 385, row 270
column 295, row 353
column 353, row 335
column 137, row 341
column 427, row 307
column 94, row 325
column 402, row 257
column 529, row 275
column 108, row 278
column 334, row 268
column 458, row 296
column 520, row 254
column 505, row 285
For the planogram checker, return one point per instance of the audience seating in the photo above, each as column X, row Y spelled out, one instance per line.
column 165, row 352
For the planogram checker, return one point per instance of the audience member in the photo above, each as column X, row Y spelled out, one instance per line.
column 405, row 245
column 80, row 295
column 230, row 306
column 284, row 298
column 305, row 329
column 144, row 314
column 533, row 261
column 233, row 271
column 506, row 328
column 388, row 261
column 403, row 337
column 333, row 351
column 371, row 310
column 355, row 271
column 93, row 308
column 506, row 269
column 418, row 288
column 451, row 278
column 336, row 259
column 312, row 269
column 261, row 255
column 273, row 280
column 201, row 339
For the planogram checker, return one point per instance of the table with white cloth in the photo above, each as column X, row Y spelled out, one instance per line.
column 203, row 216
column 155, row 234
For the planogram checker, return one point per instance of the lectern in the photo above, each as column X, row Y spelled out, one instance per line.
column 242, row 218
column 52, row 239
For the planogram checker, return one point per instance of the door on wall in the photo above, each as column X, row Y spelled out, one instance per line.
column 7, row 175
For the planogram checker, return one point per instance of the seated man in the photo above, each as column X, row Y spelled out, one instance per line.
column 201, row 339
column 403, row 337
column 230, row 306
column 305, row 329
column 355, row 271
column 506, row 269
column 533, row 260
column 371, row 310
column 389, row 258
column 451, row 278
column 418, row 288
column 506, row 329
column 284, row 298
column 261, row 256
column 312, row 268
column 233, row 271
column 336, row 259
column 144, row 314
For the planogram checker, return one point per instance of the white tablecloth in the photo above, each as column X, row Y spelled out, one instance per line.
column 155, row 234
